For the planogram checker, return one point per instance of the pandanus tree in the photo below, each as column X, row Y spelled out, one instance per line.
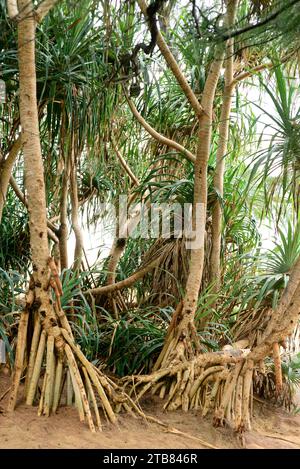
column 52, row 333
column 181, row 370
column 184, row 372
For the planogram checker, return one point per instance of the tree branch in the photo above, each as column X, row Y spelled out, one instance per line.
column 124, row 165
column 218, row 181
column 12, row 9
column 250, row 27
column 259, row 68
column 172, row 63
column 125, row 283
column 159, row 137
column 43, row 9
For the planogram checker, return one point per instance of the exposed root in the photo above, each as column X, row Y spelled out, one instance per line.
column 217, row 381
column 168, row 429
column 277, row 437
column 4, row 394
column 67, row 372
column 181, row 343
column 192, row 437
column 277, row 366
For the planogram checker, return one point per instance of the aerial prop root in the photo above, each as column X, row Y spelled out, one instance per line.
column 66, row 368
column 216, row 381
column 181, row 341
column 89, row 386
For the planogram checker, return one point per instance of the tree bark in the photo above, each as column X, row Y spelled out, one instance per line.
column 73, row 161
column 12, row 9
column 34, row 173
column 182, row 341
column 75, row 218
column 200, row 198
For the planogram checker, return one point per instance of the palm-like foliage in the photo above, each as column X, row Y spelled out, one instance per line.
column 277, row 166
column 14, row 235
column 291, row 371
column 11, row 287
column 277, row 263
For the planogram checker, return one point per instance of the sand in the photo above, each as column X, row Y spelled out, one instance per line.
column 272, row 428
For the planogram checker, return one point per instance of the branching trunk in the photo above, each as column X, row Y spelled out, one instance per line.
column 184, row 337
column 34, row 181
column 156, row 135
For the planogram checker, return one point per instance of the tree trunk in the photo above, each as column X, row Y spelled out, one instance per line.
column 119, row 243
column 75, row 218
column 174, row 67
column 63, row 229
column 34, row 173
column 182, row 339
column 215, row 258
column 183, row 336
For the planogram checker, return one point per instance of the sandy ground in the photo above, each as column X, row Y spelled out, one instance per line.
column 24, row 429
